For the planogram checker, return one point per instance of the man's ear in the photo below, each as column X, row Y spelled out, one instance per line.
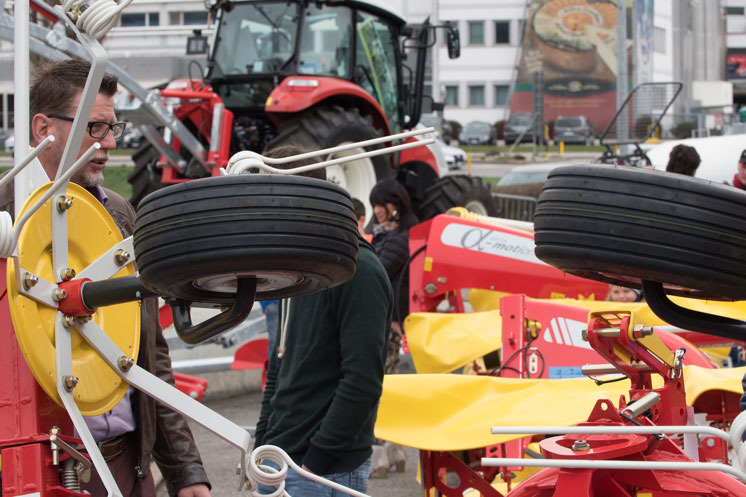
column 40, row 128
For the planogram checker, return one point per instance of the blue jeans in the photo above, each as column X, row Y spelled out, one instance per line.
column 299, row 486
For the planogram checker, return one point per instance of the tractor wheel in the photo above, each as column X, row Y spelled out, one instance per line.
column 622, row 225
column 457, row 191
column 296, row 235
column 146, row 177
column 326, row 127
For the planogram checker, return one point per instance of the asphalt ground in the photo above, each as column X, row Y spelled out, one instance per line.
column 236, row 396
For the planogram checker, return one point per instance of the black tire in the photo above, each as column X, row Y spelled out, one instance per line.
column 146, row 177
column 296, row 235
column 329, row 126
column 457, row 191
column 623, row 225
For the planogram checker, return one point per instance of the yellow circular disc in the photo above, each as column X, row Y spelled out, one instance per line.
column 91, row 232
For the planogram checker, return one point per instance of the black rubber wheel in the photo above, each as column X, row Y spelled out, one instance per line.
column 457, row 191
column 296, row 235
column 325, row 127
column 146, row 177
column 622, row 225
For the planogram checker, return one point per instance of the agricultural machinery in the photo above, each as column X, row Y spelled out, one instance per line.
column 523, row 359
column 314, row 74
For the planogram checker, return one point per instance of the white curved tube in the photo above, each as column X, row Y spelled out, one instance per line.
column 95, row 18
column 267, row 475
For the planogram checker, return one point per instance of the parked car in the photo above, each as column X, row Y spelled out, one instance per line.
column 518, row 123
column 443, row 129
column 9, row 141
column 574, row 129
column 527, row 174
column 132, row 137
column 477, row 133
column 455, row 157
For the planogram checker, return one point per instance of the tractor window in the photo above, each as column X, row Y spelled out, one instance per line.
column 376, row 64
column 325, row 42
column 255, row 38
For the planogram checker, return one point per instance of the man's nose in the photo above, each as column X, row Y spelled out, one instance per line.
column 108, row 142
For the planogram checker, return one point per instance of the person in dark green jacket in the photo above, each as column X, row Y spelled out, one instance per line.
column 325, row 377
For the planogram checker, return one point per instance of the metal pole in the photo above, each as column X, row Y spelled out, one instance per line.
column 435, row 75
column 622, row 132
column 21, row 98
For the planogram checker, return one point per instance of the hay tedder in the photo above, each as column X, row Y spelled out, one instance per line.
column 659, row 418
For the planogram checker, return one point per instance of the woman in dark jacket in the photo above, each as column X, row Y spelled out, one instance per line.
column 393, row 217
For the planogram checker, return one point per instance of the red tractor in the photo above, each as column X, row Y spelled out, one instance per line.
column 314, row 74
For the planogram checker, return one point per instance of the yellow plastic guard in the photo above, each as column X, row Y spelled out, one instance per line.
column 91, row 232
column 455, row 412
column 441, row 343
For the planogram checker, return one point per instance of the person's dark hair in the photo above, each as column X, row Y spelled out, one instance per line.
column 389, row 191
column 55, row 85
column 289, row 150
column 683, row 159
column 358, row 207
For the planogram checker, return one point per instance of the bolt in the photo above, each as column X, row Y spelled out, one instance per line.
column 442, row 280
column 66, row 274
column 579, row 445
column 584, row 334
column 84, row 319
column 67, row 321
column 121, row 257
column 71, row 381
column 640, row 331
column 29, row 280
column 64, row 203
column 125, row 363
column 59, row 294
column 431, row 288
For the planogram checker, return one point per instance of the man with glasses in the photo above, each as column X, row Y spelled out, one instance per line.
column 138, row 428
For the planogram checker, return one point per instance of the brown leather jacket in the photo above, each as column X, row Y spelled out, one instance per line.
column 163, row 434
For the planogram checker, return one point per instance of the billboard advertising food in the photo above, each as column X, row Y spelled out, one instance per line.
column 573, row 43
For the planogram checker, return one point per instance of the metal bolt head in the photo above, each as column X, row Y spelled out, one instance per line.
column 64, row 203
column 431, row 288
column 59, row 294
column 67, row 321
column 29, row 280
column 579, row 445
column 83, row 319
column 640, row 331
column 121, row 257
column 125, row 363
column 66, row 274
column 584, row 334
column 71, row 381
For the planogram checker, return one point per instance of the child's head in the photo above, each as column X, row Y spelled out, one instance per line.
column 359, row 208
column 623, row 294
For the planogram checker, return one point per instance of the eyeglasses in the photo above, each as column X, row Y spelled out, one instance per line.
column 97, row 129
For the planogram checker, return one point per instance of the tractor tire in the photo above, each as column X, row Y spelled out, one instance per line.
column 296, row 235
column 146, row 177
column 325, row 127
column 623, row 225
column 457, row 191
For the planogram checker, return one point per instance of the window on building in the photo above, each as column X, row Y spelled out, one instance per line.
column 501, row 95
column 734, row 11
column 476, row 32
column 659, row 40
column 502, row 32
column 132, row 19
column 476, row 95
column 139, row 19
column 452, row 95
column 174, row 18
column 195, row 17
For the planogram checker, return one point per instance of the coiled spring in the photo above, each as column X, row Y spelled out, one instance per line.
column 262, row 474
column 94, row 18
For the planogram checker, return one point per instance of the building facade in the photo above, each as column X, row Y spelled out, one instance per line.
column 689, row 44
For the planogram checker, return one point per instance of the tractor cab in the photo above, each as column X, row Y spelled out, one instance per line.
column 258, row 44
